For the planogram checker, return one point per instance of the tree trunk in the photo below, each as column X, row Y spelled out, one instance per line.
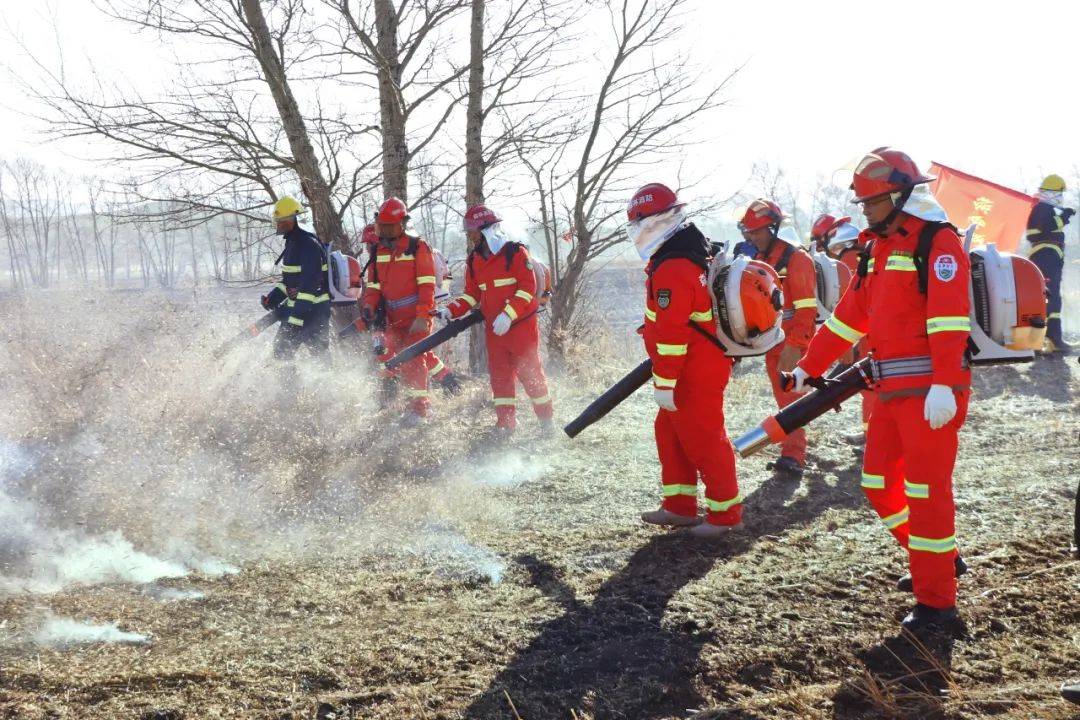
column 391, row 105
column 474, row 155
column 326, row 219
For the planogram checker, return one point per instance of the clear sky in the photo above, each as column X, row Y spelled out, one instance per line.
column 985, row 87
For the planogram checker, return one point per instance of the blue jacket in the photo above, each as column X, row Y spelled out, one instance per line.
column 303, row 269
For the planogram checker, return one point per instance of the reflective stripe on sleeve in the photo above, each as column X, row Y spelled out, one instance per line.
column 469, row 299
column 663, row 382
column 842, row 330
column 804, row 303
column 425, row 280
column 510, row 311
column 526, row 296
column 299, row 322
column 663, row 349
column 948, row 323
column 650, row 314
column 374, row 285
column 704, row 316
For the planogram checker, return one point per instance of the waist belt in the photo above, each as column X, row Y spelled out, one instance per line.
column 906, row 367
column 403, row 302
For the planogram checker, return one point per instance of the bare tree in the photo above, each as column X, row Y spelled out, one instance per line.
column 648, row 94
column 30, row 211
column 240, row 130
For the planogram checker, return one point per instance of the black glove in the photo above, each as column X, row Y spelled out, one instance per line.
column 1067, row 213
column 265, row 300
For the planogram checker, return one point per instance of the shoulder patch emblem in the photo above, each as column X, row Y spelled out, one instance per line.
column 663, row 298
column 945, row 268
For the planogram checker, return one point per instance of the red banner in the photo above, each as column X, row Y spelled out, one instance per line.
column 999, row 214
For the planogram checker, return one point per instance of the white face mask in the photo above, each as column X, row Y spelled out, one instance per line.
column 649, row 233
column 1052, row 197
column 923, row 205
column 494, row 237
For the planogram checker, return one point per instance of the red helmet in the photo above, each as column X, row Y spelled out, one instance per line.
column 392, row 211
column 885, row 171
column 825, row 223
column 652, row 199
column 479, row 217
column 369, row 236
column 759, row 214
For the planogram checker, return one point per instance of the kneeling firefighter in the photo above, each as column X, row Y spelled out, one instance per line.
column 501, row 280
column 689, row 344
column 915, row 322
column 303, row 294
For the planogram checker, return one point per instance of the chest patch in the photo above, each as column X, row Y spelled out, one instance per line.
column 663, row 298
column 945, row 268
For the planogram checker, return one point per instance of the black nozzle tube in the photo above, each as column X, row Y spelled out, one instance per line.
column 418, row 348
column 618, row 392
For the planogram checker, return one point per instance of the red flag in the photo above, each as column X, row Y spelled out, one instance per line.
column 999, row 214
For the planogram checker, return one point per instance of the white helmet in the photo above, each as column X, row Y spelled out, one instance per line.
column 846, row 236
column 747, row 304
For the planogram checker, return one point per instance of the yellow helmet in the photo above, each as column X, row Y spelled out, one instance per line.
column 286, row 207
column 1053, row 183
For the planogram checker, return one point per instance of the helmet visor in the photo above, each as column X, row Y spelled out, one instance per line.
column 649, row 233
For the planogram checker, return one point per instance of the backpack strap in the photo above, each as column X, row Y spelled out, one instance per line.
column 512, row 249
column 785, row 258
column 922, row 250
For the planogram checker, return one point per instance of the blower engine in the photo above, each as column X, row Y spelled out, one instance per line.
column 345, row 278
column 1008, row 307
column 747, row 304
column 832, row 278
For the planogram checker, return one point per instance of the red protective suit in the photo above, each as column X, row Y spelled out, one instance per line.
column 692, row 440
column 907, row 467
column 796, row 270
column 850, row 258
column 403, row 276
column 505, row 282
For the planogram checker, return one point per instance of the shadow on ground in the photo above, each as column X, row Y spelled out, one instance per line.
column 614, row 657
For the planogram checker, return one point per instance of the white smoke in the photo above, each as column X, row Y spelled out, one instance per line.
column 63, row 632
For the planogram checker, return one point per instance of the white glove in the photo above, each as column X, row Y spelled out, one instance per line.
column 443, row 314
column 800, row 377
column 501, row 324
column 665, row 398
column 940, row 406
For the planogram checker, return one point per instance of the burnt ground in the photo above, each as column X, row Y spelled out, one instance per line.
column 433, row 574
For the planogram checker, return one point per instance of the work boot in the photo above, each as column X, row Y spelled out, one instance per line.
column 856, row 438
column 1071, row 692
column 412, row 419
column 669, row 519
column 709, row 531
column 388, row 391
column 450, row 384
column 905, row 584
column 1058, row 346
column 925, row 620
column 786, row 466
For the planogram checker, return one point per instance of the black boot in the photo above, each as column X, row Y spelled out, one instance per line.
column 1071, row 692
column 925, row 620
column 450, row 384
column 786, row 466
column 905, row 583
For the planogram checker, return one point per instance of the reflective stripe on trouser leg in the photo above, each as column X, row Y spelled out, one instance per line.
column 413, row 373
column 699, row 425
column 929, row 457
column 501, row 369
column 677, row 474
column 1051, row 264
column 883, row 472
column 531, row 374
column 794, row 445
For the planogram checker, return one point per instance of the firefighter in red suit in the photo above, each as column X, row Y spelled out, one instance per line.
column 919, row 338
column 841, row 240
column 500, row 281
column 690, row 372
column 401, row 280
column 759, row 226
